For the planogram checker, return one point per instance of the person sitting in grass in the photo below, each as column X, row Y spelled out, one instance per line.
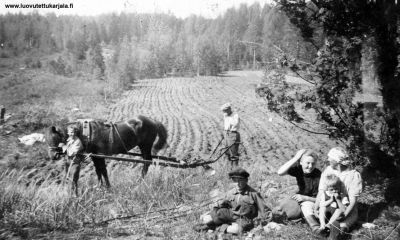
column 333, row 203
column 303, row 167
column 241, row 205
column 339, row 161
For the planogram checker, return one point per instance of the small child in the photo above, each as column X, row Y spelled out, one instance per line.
column 333, row 202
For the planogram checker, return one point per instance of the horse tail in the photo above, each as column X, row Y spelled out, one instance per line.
column 162, row 136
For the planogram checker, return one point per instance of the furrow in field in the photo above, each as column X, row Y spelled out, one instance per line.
column 280, row 128
column 207, row 110
column 190, row 110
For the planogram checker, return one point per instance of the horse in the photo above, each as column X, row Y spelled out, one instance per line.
column 100, row 137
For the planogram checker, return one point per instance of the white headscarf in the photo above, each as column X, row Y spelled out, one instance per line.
column 339, row 155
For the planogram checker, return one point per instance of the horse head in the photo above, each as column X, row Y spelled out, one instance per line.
column 54, row 136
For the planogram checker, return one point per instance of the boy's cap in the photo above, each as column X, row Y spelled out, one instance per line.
column 239, row 173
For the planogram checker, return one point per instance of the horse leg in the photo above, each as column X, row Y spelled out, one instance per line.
column 101, row 170
column 104, row 172
column 146, row 153
column 96, row 163
column 145, row 169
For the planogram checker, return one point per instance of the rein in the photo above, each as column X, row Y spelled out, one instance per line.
column 119, row 136
column 56, row 149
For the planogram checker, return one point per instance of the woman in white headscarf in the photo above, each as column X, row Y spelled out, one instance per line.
column 352, row 184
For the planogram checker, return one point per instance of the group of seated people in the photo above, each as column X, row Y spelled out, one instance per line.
column 327, row 200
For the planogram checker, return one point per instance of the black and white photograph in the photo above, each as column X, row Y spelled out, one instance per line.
column 200, row 119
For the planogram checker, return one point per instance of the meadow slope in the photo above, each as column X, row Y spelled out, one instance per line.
column 167, row 203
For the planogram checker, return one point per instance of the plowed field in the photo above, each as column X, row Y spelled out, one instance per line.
column 190, row 109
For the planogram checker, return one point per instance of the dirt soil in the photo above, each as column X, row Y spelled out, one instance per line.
column 190, row 109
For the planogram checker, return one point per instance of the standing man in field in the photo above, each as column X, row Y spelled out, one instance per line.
column 231, row 134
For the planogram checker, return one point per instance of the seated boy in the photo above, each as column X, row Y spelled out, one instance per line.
column 239, row 208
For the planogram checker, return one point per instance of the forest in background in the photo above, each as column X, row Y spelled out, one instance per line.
column 120, row 48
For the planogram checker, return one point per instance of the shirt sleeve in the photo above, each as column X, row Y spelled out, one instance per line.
column 235, row 120
column 321, row 185
column 234, row 123
column 294, row 170
column 226, row 124
column 261, row 207
column 355, row 186
column 322, row 199
column 315, row 188
column 75, row 148
column 345, row 201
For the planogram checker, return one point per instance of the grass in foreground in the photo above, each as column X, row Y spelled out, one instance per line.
column 165, row 205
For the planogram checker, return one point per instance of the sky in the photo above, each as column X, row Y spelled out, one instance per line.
column 179, row 8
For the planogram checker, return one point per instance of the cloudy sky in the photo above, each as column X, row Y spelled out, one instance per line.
column 180, row 8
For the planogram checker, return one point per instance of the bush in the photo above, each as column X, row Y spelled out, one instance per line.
column 4, row 55
column 32, row 63
column 60, row 67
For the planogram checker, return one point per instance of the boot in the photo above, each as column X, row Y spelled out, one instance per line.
column 312, row 222
column 335, row 231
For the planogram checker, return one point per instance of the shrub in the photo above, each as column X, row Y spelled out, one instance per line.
column 4, row 55
column 32, row 63
column 60, row 67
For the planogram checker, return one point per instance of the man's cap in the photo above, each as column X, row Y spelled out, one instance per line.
column 339, row 155
column 239, row 173
column 226, row 106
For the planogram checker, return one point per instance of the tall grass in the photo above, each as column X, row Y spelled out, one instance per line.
column 167, row 199
column 164, row 192
column 50, row 206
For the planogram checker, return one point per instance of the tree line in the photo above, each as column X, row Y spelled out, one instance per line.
column 129, row 46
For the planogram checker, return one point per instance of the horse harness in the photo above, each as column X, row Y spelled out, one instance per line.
column 113, row 127
column 87, row 128
column 87, row 131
